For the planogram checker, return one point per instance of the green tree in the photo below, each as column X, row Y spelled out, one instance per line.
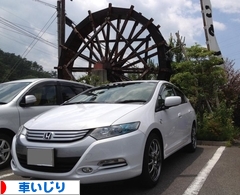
column 231, row 90
column 15, row 67
column 200, row 77
column 90, row 79
column 202, row 80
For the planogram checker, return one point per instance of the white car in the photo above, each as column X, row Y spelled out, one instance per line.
column 108, row 133
column 20, row 100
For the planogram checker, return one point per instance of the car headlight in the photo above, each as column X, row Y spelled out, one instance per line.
column 114, row 130
column 21, row 131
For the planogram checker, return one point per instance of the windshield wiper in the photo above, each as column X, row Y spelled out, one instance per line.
column 130, row 101
column 2, row 102
column 78, row 103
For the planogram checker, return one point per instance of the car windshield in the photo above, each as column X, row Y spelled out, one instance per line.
column 133, row 92
column 9, row 90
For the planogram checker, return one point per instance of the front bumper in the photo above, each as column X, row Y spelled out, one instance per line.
column 87, row 154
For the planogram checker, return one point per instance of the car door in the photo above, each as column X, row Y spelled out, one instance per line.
column 168, row 120
column 185, row 117
column 46, row 96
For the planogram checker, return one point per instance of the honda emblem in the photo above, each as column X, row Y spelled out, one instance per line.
column 48, row 135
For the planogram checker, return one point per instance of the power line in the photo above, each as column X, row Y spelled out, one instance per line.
column 19, row 30
column 22, row 43
column 47, row 4
column 33, row 43
column 32, row 28
column 14, row 15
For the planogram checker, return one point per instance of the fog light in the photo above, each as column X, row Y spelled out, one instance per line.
column 87, row 169
column 115, row 161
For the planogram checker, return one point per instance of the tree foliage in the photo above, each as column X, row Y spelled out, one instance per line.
column 203, row 81
column 90, row 79
column 14, row 67
column 231, row 90
column 200, row 78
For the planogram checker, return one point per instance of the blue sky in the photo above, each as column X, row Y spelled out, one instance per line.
column 183, row 16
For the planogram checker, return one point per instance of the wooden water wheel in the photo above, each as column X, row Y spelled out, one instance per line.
column 119, row 41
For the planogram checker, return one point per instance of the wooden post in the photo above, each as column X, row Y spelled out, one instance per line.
column 61, row 24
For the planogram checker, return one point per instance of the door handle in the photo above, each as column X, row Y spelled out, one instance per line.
column 179, row 115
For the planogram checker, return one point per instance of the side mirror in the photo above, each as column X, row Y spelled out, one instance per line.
column 28, row 99
column 172, row 101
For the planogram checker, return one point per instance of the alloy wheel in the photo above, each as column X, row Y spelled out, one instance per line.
column 5, row 151
column 154, row 164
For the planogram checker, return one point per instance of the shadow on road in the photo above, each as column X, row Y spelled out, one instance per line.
column 172, row 169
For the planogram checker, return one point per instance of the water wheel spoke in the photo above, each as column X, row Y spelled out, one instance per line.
column 85, row 45
column 89, row 43
column 137, row 61
column 133, row 55
column 95, row 32
column 142, row 76
column 129, row 38
column 121, row 31
column 133, row 39
column 144, row 51
column 117, row 43
column 144, row 41
column 133, row 50
column 68, row 73
column 89, row 59
column 107, row 49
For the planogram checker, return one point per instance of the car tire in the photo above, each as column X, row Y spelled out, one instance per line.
column 193, row 145
column 5, row 150
column 152, row 161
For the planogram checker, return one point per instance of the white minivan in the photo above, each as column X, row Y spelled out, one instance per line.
column 21, row 100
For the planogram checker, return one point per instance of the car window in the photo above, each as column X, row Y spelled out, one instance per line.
column 179, row 93
column 45, row 95
column 67, row 92
column 78, row 89
column 167, row 91
column 9, row 90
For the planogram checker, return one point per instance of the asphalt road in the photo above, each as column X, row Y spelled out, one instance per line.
column 211, row 170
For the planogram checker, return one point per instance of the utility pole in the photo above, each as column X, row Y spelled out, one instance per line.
column 61, row 24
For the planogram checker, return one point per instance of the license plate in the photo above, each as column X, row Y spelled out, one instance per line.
column 40, row 156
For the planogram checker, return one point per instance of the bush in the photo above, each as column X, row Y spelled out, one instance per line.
column 217, row 126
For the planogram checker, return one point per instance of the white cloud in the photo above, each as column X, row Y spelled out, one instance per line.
column 181, row 15
column 226, row 6
column 236, row 20
column 178, row 15
column 219, row 26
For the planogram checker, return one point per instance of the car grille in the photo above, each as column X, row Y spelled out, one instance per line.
column 56, row 136
column 62, row 165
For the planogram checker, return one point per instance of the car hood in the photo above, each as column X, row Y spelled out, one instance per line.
column 80, row 116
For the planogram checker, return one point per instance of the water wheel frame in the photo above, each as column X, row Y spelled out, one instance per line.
column 118, row 55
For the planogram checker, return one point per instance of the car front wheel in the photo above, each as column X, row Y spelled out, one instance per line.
column 5, row 150
column 152, row 161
